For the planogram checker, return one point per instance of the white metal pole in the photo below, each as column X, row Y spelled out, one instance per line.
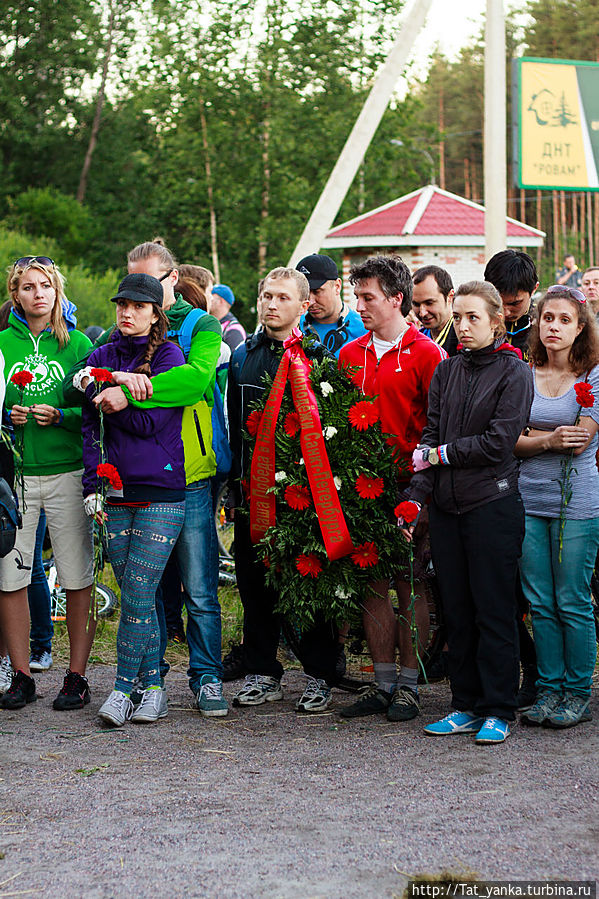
column 340, row 179
column 495, row 130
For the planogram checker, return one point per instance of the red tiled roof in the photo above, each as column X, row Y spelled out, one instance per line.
column 439, row 213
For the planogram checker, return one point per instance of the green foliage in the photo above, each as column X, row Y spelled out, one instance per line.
column 45, row 212
column 90, row 293
column 340, row 587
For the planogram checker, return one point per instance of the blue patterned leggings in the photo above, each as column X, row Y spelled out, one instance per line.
column 140, row 540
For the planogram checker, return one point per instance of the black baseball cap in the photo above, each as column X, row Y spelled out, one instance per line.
column 317, row 268
column 140, row 288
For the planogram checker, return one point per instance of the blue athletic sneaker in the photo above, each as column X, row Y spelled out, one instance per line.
column 494, row 730
column 455, row 723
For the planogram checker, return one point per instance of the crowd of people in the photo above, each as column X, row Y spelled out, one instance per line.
column 490, row 398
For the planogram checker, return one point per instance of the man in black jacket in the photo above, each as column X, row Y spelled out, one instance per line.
column 514, row 274
column 282, row 301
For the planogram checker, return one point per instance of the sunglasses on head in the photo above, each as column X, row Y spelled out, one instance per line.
column 572, row 291
column 28, row 260
column 166, row 274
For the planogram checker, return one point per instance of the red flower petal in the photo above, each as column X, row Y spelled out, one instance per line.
column 22, row 378
column 101, row 375
column 365, row 555
column 584, row 395
column 308, row 565
column 369, row 488
column 291, row 425
column 252, row 422
column 298, row 497
column 408, row 511
column 108, row 471
column 363, row 414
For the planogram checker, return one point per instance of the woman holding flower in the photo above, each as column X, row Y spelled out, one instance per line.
column 479, row 402
column 39, row 345
column 559, row 483
column 139, row 452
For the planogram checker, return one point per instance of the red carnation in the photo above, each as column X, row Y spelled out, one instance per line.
column 365, row 555
column 245, row 484
column 266, row 562
column 102, row 375
column 253, row 422
column 408, row 511
column 369, row 488
column 308, row 565
column 298, row 497
column 22, row 378
column 363, row 414
column 291, row 424
column 108, row 471
column 584, row 395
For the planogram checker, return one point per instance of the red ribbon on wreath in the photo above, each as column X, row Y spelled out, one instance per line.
column 295, row 366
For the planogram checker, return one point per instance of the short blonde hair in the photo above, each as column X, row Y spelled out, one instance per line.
column 299, row 278
column 56, row 278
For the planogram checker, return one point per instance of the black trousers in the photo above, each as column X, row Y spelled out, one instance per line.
column 476, row 557
column 262, row 626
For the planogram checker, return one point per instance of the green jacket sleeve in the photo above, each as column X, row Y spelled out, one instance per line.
column 184, row 385
column 71, row 419
column 74, row 397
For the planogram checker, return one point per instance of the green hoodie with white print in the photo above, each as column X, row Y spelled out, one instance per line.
column 51, row 449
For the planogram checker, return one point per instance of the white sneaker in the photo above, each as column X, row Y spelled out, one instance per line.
column 152, row 706
column 117, row 709
column 40, row 660
column 259, row 688
column 5, row 674
column 316, row 696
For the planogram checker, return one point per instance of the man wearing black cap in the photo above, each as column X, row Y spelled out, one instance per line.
column 328, row 318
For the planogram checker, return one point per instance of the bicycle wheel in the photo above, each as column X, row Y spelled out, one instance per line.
column 106, row 601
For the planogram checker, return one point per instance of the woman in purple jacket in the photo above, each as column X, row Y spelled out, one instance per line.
column 145, row 520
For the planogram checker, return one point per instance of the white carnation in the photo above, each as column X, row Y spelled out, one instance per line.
column 326, row 388
column 337, row 482
column 329, row 432
column 280, row 475
column 301, row 461
column 341, row 594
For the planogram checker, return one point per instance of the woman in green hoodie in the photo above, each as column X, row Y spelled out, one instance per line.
column 41, row 340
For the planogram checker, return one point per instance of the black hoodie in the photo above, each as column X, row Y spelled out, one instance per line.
column 479, row 401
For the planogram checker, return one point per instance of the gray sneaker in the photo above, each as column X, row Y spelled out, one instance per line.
column 117, row 709
column 572, row 710
column 259, row 688
column 152, row 706
column 40, row 660
column 5, row 674
column 545, row 704
column 316, row 696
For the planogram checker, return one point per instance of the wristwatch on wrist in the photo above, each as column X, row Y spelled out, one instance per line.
column 431, row 455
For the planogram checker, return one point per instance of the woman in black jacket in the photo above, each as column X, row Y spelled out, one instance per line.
column 478, row 404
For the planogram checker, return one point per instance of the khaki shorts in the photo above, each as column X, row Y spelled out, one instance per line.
column 61, row 497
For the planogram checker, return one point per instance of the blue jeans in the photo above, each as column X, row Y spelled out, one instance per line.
column 38, row 594
column 197, row 556
column 560, row 599
column 139, row 545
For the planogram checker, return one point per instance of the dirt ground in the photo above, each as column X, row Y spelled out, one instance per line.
column 266, row 803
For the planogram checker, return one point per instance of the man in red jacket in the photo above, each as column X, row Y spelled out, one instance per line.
column 396, row 363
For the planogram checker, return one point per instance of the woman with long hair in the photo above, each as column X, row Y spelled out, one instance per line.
column 41, row 339
column 478, row 404
column 559, row 483
column 144, row 521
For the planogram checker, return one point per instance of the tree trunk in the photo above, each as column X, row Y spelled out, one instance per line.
column 590, row 230
column 441, row 142
column 263, row 245
column 583, row 233
column 209, row 191
column 93, row 139
column 539, row 227
column 555, row 230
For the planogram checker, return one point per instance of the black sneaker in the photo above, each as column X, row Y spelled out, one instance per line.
column 74, row 693
column 20, row 692
column 527, row 694
column 405, row 705
column 372, row 701
column 233, row 664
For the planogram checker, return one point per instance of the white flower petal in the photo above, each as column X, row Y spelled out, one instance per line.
column 329, row 432
column 337, row 482
column 326, row 388
column 280, row 475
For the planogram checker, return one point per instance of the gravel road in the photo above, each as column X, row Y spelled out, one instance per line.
column 265, row 803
